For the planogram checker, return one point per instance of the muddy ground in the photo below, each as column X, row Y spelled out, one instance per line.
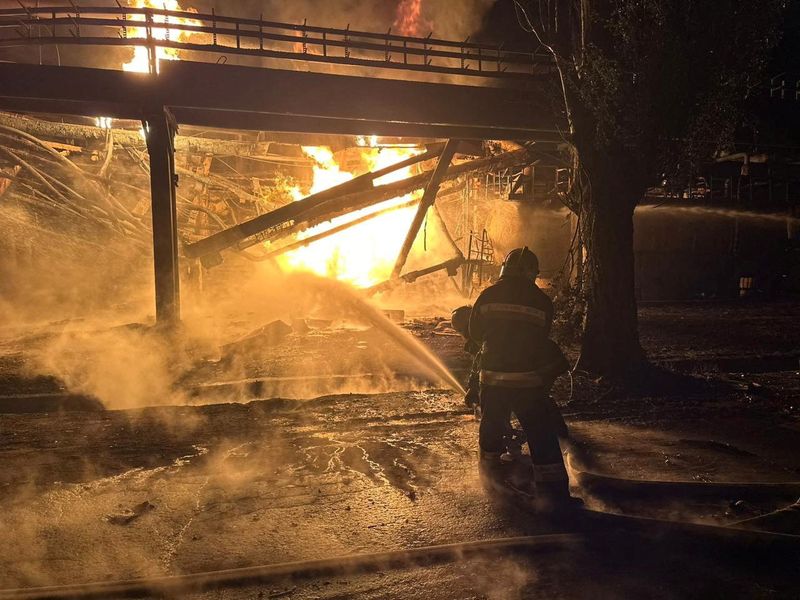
column 90, row 494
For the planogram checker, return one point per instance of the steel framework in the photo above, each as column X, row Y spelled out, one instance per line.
column 270, row 99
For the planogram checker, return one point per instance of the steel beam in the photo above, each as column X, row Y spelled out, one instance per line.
column 298, row 216
column 211, row 95
column 236, row 234
column 427, row 201
column 160, row 131
column 356, row 105
column 451, row 265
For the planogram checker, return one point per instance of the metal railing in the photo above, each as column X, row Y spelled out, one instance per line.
column 499, row 184
column 213, row 33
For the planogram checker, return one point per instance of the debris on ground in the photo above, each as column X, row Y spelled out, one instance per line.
column 130, row 515
column 270, row 334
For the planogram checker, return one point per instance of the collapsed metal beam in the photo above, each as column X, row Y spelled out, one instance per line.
column 427, row 201
column 451, row 265
column 334, row 230
column 299, row 216
column 234, row 235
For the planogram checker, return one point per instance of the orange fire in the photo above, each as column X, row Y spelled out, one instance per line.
column 364, row 254
column 140, row 63
column 408, row 19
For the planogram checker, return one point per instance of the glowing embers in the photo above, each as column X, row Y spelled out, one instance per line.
column 140, row 63
column 363, row 254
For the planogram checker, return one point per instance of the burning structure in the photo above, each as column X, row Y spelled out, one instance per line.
column 295, row 179
column 246, row 193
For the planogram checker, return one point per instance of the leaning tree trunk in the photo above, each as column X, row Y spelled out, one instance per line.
column 610, row 344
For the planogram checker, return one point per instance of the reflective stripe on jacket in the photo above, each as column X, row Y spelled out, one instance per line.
column 522, row 379
column 515, row 312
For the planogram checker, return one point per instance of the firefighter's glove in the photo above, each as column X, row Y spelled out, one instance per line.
column 472, row 398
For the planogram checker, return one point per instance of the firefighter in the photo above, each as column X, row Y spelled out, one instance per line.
column 556, row 365
column 513, row 439
column 511, row 320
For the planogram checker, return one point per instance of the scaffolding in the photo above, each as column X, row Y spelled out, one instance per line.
column 479, row 268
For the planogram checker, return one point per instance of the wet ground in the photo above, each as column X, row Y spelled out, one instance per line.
column 96, row 495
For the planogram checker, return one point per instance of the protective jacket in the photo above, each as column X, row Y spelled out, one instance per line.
column 511, row 320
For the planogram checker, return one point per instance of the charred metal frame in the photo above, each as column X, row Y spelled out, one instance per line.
column 276, row 100
column 427, row 201
column 286, row 217
column 299, row 216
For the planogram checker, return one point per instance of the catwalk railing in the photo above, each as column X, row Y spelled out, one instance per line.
column 213, row 33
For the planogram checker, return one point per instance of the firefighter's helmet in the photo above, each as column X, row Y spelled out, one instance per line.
column 459, row 319
column 521, row 262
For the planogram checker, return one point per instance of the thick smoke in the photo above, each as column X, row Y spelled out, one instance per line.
column 137, row 364
column 125, row 367
column 547, row 232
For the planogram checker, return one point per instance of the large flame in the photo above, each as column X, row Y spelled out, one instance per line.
column 409, row 20
column 140, row 62
column 364, row 254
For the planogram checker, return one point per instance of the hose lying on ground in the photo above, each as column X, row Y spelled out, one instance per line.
column 783, row 520
column 588, row 521
column 349, row 564
column 599, row 484
column 731, row 534
column 596, row 483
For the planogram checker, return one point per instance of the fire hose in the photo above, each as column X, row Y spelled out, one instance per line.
column 783, row 544
column 348, row 564
column 633, row 488
column 607, row 524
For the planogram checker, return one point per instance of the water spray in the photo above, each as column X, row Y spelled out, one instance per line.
column 719, row 212
column 359, row 307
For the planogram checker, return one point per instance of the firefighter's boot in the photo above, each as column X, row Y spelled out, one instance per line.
column 552, row 489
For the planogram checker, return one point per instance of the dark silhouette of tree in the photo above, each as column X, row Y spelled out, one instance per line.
column 648, row 87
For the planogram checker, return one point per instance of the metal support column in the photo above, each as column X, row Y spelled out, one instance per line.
column 427, row 201
column 160, row 130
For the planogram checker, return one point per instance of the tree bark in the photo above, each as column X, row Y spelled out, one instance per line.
column 610, row 344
